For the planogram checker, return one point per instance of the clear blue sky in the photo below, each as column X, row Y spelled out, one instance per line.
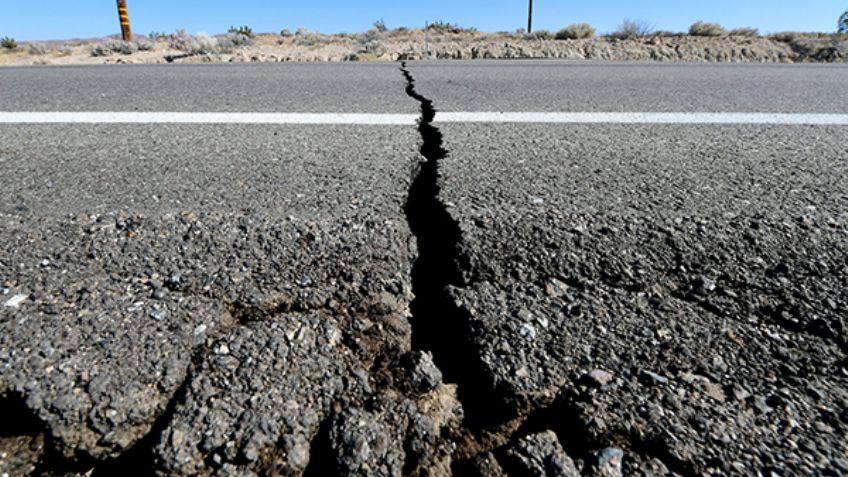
column 63, row 19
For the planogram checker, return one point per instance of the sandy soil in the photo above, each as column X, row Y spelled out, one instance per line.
column 418, row 44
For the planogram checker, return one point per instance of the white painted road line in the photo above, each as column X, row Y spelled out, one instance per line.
column 645, row 118
column 411, row 119
column 204, row 118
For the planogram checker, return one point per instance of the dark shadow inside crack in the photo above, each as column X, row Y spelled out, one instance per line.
column 18, row 420
column 322, row 459
column 21, row 426
column 438, row 324
column 140, row 459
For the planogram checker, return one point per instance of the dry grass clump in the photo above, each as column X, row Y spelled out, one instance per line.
column 203, row 44
column 446, row 27
column 372, row 42
column 786, row 36
column 144, row 44
column 110, row 47
column 577, row 31
column 65, row 50
column 748, row 32
column 707, row 29
column 540, row 35
column 38, row 49
column 304, row 37
column 630, row 29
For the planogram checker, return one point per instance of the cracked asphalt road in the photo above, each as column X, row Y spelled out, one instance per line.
column 528, row 300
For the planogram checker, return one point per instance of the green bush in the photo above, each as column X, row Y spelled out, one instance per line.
column 380, row 26
column 242, row 30
column 577, row 31
column 842, row 25
column 749, row 32
column 633, row 29
column 8, row 43
column 706, row 29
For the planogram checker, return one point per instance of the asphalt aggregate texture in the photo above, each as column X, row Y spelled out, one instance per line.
column 294, row 88
column 451, row 299
column 578, row 86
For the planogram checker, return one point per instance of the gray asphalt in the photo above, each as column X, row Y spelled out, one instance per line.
column 297, row 88
column 632, row 87
column 239, row 299
column 674, row 292
column 147, row 253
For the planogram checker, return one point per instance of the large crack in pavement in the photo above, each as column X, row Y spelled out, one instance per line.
column 441, row 326
column 438, row 324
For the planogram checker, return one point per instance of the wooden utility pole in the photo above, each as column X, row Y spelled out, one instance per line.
column 530, row 18
column 123, row 14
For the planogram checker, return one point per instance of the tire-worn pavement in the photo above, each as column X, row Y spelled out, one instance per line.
column 462, row 298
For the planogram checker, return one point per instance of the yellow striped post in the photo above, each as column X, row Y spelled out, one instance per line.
column 124, row 15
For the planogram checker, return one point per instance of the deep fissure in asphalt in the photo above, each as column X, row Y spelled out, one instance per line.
column 444, row 329
column 438, row 324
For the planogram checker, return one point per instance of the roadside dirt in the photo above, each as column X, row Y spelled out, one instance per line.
column 308, row 46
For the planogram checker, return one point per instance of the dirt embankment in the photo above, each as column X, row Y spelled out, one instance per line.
column 418, row 44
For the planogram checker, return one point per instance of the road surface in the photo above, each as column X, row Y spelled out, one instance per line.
column 314, row 293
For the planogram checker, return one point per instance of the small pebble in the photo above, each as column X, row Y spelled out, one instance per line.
column 650, row 377
column 15, row 301
column 599, row 377
column 610, row 455
column 158, row 314
column 527, row 331
column 222, row 349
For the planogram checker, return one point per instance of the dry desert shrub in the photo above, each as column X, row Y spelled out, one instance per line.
column 577, row 31
column 707, row 29
column 633, row 29
column 540, row 35
column 304, row 37
column 65, row 50
column 749, row 32
column 446, row 27
column 143, row 44
column 380, row 26
column 38, row 49
column 372, row 42
column 110, row 47
column 232, row 41
column 203, row 44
